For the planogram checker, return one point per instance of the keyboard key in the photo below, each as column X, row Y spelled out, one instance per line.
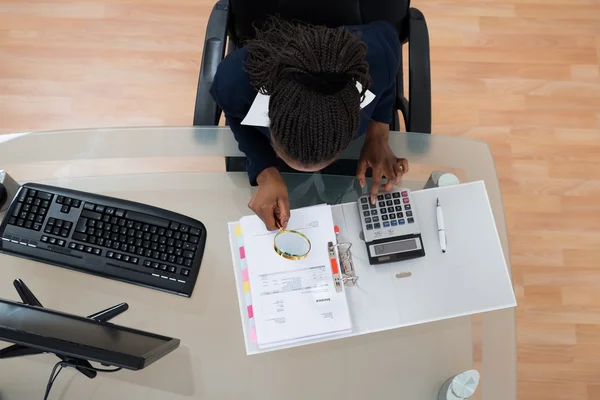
column 185, row 272
column 409, row 214
column 38, row 202
column 56, row 231
column 384, row 217
column 399, row 208
column 65, row 209
column 404, row 194
column 389, row 202
column 388, row 196
column 373, row 212
column 369, row 227
column 97, row 252
column 372, row 205
column 72, row 245
column 134, row 260
column 64, row 232
column 364, row 200
column 52, row 240
column 392, row 216
column 148, row 219
column 375, row 219
column 80, row 247
column 39, row 219
column 405, row 200
column 43, row 195
column 147, row 263
column 377, row 226
column 365, row 206
column 383, row 211
column 155, row 265
column 163, row 267
column 45, row 204
column 174, row 226
column 36, row 226
column 400, row 215
column 196, row 231
column 172, row 269
column 386, row 224
column 177, row 235
column 118, row 256
column 382, row 204
column 188, row 262
column 194, row 239
column 397, row 201
column 390, row 209
column 394, row 223
column 60, row 242
column 75, row 203
column 48, row 229
column 22, row 194
column 44, row 238
column 367, row 220
column 82, row 237
column 100, row 208
column 91, row 215
column 366, row 213
column 119, row 213
column 395, row 195
column 380, row 197
column 188, row 254
column 189, row 246
column 59, row 223
column 180, row 260
column 125, row 258
column 401, row 222
column 407, row 207
column 410, row 220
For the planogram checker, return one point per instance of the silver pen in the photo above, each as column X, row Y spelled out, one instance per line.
column 440, row 225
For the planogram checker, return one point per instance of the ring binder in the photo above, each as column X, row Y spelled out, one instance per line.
column 349, row 277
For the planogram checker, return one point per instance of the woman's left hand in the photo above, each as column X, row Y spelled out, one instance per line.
column 377, row 155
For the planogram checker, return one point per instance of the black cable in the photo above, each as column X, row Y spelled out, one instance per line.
column 64, row 364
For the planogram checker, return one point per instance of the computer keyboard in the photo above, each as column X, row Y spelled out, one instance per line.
column 101, row 235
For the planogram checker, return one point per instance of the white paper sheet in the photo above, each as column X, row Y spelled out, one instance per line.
column 294, row 299
column 258, row 115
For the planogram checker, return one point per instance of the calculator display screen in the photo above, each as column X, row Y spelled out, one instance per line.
column 395, row 247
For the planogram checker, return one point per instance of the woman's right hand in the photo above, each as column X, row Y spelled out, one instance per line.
column 270, row 202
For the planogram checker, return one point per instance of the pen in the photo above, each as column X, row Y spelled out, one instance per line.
column 440, row 224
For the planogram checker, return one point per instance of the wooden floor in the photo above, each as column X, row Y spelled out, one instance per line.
column 523, row 75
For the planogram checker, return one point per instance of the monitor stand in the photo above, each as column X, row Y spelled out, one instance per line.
column 82, row 366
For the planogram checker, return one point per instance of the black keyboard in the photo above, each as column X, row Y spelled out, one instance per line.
column 101, row 235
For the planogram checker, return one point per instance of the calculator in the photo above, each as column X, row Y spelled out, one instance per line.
column 390, row 227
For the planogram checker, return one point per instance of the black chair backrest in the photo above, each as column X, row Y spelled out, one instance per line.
column 248, row 14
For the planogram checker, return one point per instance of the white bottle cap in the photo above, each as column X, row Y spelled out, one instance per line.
column 463, row 385
column 448, row 180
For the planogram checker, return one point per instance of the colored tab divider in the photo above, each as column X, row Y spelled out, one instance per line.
column 246, row 282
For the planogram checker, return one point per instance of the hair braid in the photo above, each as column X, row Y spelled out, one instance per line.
column 307, row 126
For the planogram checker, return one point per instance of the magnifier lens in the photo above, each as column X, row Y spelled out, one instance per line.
column 292, row 245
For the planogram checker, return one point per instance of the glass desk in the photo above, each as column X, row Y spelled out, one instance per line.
column 183, row 169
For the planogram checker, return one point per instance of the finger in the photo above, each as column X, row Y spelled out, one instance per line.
column 390, row 175
column 267, row 214
column 283, row 205
column 399, row 173
column 361, row 172
column 404, row 164
column 375, row 182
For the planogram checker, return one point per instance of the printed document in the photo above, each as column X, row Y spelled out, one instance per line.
column 294, row 299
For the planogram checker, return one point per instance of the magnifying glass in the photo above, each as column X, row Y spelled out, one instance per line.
column 291, row 245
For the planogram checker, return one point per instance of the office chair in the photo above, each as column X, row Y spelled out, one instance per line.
column 232, row 22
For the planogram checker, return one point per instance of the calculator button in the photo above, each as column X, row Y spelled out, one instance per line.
column 363, row 200
column 389, row 202
column 388, row 196
column 398, row 208
column 369, row 227
column 390, row 209
column 383, row 211
column 373, row 212
column 401, row 221
column 407, row 207
column 384, row 217
column 376, row 226
column 404, row 194
column 367, row 220
column 373, row 205
column 409, row 213
column 395, row 195
column 400, row 215
column 405, row 200
column 382, row 204
column 397, row 201
column 392, row 216
column 365, row 206
column 380, row 197
column 386, row 224
column 394, row 223
column 366, row 213
column 410, row 220
column 375, row 219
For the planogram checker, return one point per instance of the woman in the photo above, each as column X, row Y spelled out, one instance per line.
column 311, row 75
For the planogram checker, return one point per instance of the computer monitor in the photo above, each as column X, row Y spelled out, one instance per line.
column 81, row 338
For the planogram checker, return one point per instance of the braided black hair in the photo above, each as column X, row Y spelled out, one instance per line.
column 310, row 74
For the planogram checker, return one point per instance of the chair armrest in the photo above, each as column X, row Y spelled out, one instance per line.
column 419, row 75
column 206, row 111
